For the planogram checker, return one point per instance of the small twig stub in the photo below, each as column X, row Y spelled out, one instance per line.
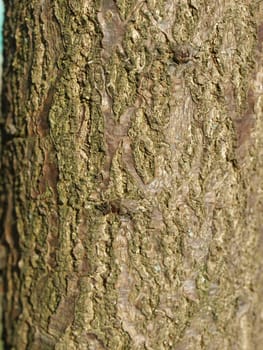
column 183, row 53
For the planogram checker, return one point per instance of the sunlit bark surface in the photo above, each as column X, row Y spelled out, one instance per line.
column 132, row 174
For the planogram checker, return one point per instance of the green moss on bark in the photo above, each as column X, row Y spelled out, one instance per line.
column 130, row 149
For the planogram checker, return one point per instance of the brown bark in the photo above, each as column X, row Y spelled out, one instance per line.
column 132, row 159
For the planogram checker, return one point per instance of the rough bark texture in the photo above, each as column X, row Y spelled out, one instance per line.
column 132, row 156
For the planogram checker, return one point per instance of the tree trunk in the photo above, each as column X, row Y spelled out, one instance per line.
column 132, row 156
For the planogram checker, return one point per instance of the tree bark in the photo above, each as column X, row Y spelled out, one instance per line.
column 132, row 166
